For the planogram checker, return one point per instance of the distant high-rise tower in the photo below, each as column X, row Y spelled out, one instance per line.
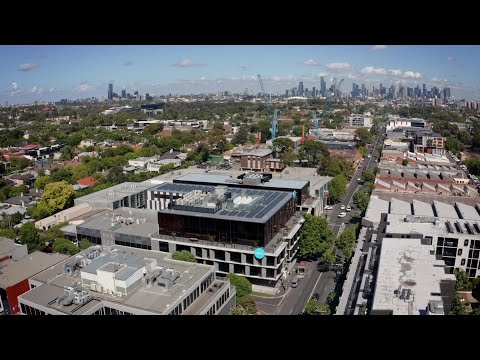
column 124, row 94
column 446, row 93
column 424, row 92
column 323, row 86
column 313, row 91
column 110, row 91
column 300, row 88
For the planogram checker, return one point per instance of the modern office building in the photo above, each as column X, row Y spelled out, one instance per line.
column 357, row 120
column 323, row 87
column 120, row 280
column 224, row 225
column 110, row 92
column 128, row 194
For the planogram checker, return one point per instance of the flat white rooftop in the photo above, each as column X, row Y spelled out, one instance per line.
column 406, row 266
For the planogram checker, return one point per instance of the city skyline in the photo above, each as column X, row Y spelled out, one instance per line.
column 50, row 73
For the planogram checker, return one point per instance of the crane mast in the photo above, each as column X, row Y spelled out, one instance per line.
column 270, row 111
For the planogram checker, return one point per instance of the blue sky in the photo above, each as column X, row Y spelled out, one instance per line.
column 29, row 73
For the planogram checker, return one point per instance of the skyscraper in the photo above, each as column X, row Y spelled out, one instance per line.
column 446, row 93
column 124, row 93
column 313, row 91
column 323, row 86
column 110, row 91
column 424, row 92
column 300, row 88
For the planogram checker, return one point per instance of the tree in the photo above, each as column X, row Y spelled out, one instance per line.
column 363, row 150
column 245, row 306
column 452, row 144
column 329, row 257
column 8, row 233
column 64, row 246
column 29, row 235
column 363, row 136
column 41, row 182
column 463, row 281
column 361, row 200
column 242, row 285
column 241, row 136
column 284, row 144
column 57, row 196
column 153, row 129
column 337, row 187
column 405, row 162
column 84, row 244
column 314, row 307
column 368, row 176
column 458, row 306
column 184, row 255
column 288, row 158
column 345, row 242
column 315, row 236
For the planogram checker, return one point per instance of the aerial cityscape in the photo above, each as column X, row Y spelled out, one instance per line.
column 240, row 180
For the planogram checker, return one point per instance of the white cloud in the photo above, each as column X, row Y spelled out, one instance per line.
column 353, row 77
column 187, row 63
column 36, row 90
column 52, row 89
column 379, row 47
column 203, row 78
column 451, row 59
column 310, row 62
column 337, row 67
column 128, row 63
column 370, row 70
column 27, row 67
column 84, row 86
column 15, row 86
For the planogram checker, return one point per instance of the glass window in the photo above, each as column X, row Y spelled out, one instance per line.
column 459, row 252
column 462, row 262
column 440, row 241
column 465, row 243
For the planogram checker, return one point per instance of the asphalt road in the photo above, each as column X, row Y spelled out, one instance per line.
column 319, row 280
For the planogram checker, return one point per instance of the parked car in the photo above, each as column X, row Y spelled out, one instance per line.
column 295, row 282
column 342, row 207
column 328, row 207
column 342, row 214
column 349, row 208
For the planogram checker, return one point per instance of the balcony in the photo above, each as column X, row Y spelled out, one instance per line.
column 285, row 233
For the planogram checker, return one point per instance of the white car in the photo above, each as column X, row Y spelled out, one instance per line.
column 342, row 207
column 328, row 207
column 342, row 214
column 349, row 208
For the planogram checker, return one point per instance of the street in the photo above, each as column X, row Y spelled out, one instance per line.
column 318, row 279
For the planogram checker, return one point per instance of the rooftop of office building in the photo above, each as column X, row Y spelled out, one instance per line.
column 146, row 280
column 227, row 203
column 409, row 277
column 116, row 192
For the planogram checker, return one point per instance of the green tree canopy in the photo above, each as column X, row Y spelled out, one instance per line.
column 242, row 285
column 363, row 136
column 329, row 257
column 337, row 187
column 245, row 306
column 84, row 244
column 404, row 162
column 361, row 200
column 184, row 255
column 29, row 236
column 314, row 307
column 57, row 196
column 64, row 246
column 315, row 236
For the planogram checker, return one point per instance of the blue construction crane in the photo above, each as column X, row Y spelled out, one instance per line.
column 270, row 111
column 326, row 108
